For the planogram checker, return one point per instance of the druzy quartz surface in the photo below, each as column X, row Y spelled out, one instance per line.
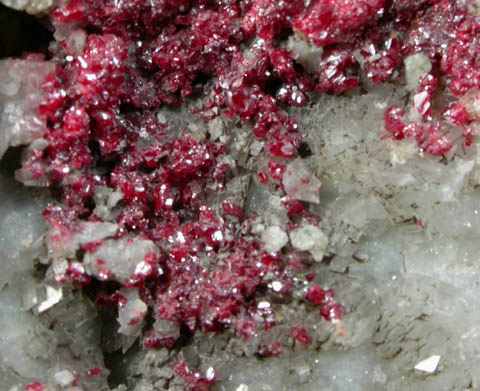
column 217, row 178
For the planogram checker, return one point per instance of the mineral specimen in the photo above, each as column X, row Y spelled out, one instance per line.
column 214, row 174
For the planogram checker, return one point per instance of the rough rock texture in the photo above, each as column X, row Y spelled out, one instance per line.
column 20, row 96
column 46, row 328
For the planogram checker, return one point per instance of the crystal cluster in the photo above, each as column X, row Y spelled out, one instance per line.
column 182, row 162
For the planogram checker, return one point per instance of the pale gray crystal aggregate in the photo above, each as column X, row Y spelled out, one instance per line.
column 20, row 95
column 45, row 328
column 123, row 259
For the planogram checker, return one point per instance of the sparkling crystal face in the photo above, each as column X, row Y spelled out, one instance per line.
column 154, row 210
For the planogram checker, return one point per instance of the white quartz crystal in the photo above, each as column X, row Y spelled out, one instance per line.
column 274, row 238
column 416, row 66
column 429, row 365
column 64, row 244
column 131, row 313
column 93, row 231
column 53, row 295
column 21, row 229
column 64, row 378
column 121, row 259
column 300, row 183
column 310, row 238
column 20, row 95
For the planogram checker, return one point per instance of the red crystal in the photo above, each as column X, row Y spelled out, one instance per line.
column 330, row 309
column 35, row 386
column 334, row 21
column 301, row 335
column 232, row 209
column 194, row 380
column 394, row 122
column 336, row 71
column 95, row 371
column 267, row 18
column 315, row 294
